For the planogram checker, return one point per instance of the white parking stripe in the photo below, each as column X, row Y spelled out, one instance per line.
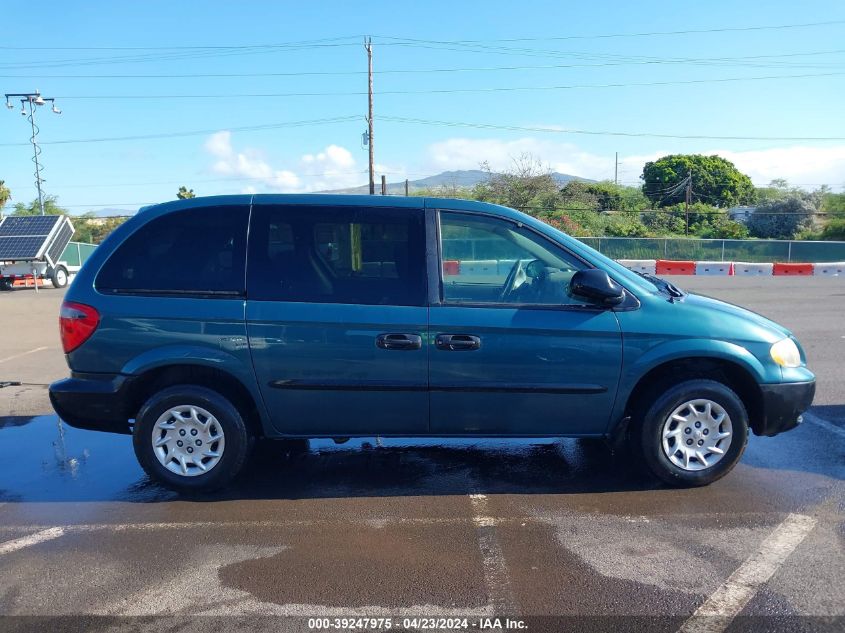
column 716, row 614
column 32, row 351
column 496, row 575
column 837, row 430
column 33, row 539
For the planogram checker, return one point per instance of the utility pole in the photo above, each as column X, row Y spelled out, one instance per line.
column 687, row 201
column 616, row 169
column 368, row 45
column 383, row 185
column 33, row 100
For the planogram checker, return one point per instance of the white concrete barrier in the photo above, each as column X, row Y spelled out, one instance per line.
column 746, row 268
column 713, row 268
column 479, row 267
column 504, row 266
column 640, row 265
column 829, row 269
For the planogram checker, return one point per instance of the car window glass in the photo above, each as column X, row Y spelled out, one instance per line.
column 337, row 255
column 488, row 260
column 199, row 250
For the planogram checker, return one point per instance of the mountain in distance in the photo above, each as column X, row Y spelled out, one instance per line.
column 462, row 179
column 106, row 212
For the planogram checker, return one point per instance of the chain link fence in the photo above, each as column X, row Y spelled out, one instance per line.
column 76, row 253
column 717, row 250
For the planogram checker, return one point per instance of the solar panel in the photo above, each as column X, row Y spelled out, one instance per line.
column 32, row 237
column 60, row 241
column 30, row 225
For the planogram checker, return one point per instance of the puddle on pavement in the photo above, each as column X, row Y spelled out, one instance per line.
column 43, row 460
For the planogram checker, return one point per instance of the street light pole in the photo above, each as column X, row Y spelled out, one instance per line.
column 33, row 100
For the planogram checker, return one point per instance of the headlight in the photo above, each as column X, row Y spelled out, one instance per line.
column 785, row 353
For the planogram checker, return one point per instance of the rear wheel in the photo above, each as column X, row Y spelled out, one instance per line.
column 190, row 438
column 694, row 432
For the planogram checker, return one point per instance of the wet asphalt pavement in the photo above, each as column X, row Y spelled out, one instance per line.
column 523, row 528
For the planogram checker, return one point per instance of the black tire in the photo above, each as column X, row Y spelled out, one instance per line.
column 6, row 284
column 59, row 277
column 237, row 438
column 654, row 416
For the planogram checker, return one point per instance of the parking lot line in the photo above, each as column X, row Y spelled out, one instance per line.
column 719, row 610
column 837, row 430
column 496, row 577
column 32, row 351
column 33, row 539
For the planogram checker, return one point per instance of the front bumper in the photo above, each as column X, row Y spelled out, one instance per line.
column 96, row 402
column 783, row 405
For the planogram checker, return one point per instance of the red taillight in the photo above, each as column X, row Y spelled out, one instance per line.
column 77, row 323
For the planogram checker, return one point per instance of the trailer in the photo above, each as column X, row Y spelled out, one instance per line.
column 32, row 247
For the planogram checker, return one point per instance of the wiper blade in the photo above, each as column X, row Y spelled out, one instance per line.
column 671, row 289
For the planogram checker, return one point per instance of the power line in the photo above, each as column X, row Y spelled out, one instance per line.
column 396, row 119
column 452, row 90
column 247, row 128
column 623, row 60
column 331, row 41
column 337, row 41
column 520, row 128
column 643, row 34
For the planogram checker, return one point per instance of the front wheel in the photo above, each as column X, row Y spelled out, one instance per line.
column 694, row 433
column 190, row 438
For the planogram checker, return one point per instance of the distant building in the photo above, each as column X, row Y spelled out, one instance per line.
column 741, row 213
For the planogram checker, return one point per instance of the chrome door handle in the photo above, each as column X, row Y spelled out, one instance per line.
column 457, row 342
column 399, row 341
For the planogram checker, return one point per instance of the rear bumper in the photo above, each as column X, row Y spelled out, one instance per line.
column 96, row 402
column 783, row 405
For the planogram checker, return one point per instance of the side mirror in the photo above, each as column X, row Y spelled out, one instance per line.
column 595, row 284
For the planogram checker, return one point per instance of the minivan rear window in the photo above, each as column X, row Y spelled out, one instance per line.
column 337, row 255
column 199, row 251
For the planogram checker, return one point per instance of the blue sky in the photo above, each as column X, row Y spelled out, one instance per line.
column 147, row 81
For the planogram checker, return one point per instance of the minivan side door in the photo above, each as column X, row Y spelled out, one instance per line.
column 337, row 318
column 512, row 352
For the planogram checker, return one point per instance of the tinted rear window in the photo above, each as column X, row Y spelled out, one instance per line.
column 337, row 255
column 195, row 251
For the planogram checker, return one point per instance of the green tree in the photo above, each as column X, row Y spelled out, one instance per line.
column 92, row 229
column 782, row 219
column 184, row 193
column 714, row 180
column 833, row 204
column 51, row 207
column 834, row 229
column 5, row 194
column 528, row 184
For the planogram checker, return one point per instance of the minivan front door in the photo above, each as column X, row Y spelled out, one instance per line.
column 336, row 318
column 512, row 352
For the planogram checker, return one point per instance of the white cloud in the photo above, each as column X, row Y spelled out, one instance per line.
column 800, row 165
column 809, row 166
column 333, row 167
column 219, row 144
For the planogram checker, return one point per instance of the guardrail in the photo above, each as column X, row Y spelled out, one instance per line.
column 706, row 250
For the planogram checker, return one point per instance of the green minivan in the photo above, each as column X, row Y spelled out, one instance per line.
column 200, row 325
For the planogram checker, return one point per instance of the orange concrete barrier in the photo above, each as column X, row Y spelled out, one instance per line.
column 27, row 282
column 451, row 267
column 669, row 267
column 792, row 269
